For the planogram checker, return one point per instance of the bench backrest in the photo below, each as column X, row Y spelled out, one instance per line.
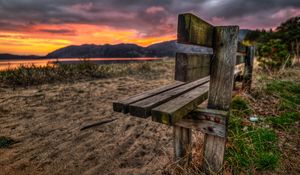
column 194, row 31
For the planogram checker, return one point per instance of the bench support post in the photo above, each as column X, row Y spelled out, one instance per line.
column 182, row 145
column 189, row 67
column 221, row 84
column 249, row 59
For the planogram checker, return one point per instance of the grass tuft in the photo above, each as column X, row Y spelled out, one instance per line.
column 284, row 120
column 288, row 93
column 241, row 105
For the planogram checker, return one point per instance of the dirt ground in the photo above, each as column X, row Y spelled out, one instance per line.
column 46, row 122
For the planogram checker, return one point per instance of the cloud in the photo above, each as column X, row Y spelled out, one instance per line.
column 155, row 9
column 58, row 31
column 149, row 17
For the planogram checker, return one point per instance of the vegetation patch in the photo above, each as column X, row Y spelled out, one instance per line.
column 287, row 91
column 6, row 142
column 249, row 147
column 284, row 120
column 241, row 105
column 37, row 75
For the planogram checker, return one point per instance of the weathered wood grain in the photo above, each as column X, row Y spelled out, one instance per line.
column 209, row 121
column 182, row 145
column 143, row 108
column 217, row 116
column 205, row 126
column 123, row 105
column 193, row 30
column 174, row 110
column 221, row 84
column 190, row 67
column 248, row 68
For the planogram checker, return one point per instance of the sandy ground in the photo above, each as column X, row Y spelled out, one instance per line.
column 47, row 120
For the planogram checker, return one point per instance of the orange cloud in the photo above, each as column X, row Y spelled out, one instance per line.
column 43, row 39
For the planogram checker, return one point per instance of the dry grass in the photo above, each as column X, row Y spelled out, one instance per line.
column 38, row 75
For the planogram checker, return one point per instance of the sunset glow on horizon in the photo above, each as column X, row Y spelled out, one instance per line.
column 39, row 27
column 38, row 42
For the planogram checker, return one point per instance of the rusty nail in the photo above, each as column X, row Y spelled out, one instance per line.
column 217, row 120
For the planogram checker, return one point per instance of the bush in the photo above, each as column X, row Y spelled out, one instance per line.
column 273, row 55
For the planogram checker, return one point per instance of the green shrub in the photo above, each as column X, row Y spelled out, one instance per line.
column 273, row 55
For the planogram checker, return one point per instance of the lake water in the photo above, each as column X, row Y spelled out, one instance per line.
column 12, row 64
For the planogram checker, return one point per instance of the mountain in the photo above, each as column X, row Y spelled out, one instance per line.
column 98, row 51
column 164, row 49
column 16, row 57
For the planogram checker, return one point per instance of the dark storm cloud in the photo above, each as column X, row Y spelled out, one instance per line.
column 238, row 8
column 149, row 17
column 59, row 31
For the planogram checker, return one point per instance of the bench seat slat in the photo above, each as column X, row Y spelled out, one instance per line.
column 174, row 110
column 123, row 105
column 143, row 108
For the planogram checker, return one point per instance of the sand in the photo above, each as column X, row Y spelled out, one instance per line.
column 47, row 121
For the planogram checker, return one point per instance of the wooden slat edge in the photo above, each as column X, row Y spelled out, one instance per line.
column 174, row 110
column 122, row 105
column 193, row 30
column 143, row 108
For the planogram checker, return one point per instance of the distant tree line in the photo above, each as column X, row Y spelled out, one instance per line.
column 279, row 48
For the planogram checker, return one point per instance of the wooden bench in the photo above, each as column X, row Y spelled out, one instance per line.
column 199, row 77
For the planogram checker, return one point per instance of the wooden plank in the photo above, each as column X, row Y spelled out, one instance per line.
column 217, row 116
column 190, row 67
column 220, row 91
column 173, row 111
column 209, row 121
column 248, row 68
column 123, row 105
column 193, row 30
column 182, row 145
column 143, row 108
column 205, row 126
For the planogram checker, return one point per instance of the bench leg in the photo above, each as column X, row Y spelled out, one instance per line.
column 182, row 145
column 248, row 68
column 214, row 148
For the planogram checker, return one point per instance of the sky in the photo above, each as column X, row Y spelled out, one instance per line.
column 41, row 26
